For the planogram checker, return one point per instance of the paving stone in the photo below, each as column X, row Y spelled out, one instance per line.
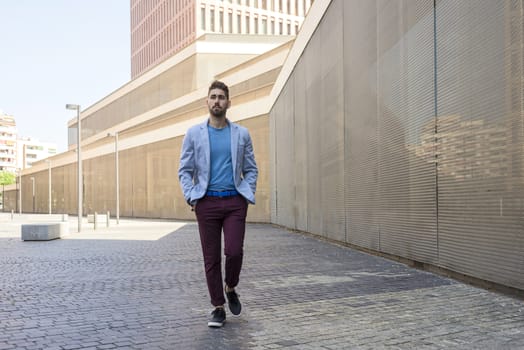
column 101, row 290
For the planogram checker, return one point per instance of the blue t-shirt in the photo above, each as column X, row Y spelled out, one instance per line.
column 221, row 178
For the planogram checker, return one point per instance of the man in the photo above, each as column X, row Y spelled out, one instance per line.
column 218, row 176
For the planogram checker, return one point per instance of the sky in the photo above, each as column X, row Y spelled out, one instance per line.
column 55, row 52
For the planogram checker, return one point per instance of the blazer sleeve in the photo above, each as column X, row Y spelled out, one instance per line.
column 187, row 167
column 250, row 169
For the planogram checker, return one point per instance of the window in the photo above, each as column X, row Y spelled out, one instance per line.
column 247, row 24
column 212, row 20
column 239, row 23
column 264, row 25
column 203, row 18
column 221, row 21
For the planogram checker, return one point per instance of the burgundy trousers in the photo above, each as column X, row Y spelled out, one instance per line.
column 215, row 214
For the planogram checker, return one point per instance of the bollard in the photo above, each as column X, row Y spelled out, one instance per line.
column 107, row 219
column 12, row 214
column 94, row 220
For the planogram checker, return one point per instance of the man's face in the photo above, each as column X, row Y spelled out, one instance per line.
column 217, row 103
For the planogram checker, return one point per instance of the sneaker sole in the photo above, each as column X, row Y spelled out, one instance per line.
column 215, row 324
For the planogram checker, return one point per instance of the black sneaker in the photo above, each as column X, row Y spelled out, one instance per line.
column 233, row 302
column 218, row 317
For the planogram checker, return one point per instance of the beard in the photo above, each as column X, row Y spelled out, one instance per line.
column 218, row 112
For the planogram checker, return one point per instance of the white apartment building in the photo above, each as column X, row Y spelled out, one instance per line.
column 30, row 150
column 8, row 136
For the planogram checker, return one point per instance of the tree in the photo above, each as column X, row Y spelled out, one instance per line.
column 7, row 178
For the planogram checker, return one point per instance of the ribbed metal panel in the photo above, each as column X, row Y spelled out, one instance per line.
column 361, row 154
column 273, row 146
column 480, row 138
column 285, row 158
column 407, row 181
column 302, row 146
column 330, row 123
column 313, row 118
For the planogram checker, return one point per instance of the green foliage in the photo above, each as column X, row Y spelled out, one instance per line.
column 7, row 177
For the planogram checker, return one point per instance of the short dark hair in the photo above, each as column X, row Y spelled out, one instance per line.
column 219, row 85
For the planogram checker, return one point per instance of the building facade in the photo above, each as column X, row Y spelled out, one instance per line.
column 402, row 133
column 151, row 115
column 408, row 137
column 8, row 136
column 159, row 29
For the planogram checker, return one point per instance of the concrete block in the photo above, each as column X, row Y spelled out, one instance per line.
column 44, row 231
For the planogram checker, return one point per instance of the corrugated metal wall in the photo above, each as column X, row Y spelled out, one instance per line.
column 405, row 80
column 480, row 138
column 401, row 129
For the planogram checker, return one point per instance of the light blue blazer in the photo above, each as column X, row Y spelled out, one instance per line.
column 195, row 163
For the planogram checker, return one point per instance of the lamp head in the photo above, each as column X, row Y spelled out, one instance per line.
column 72, row 106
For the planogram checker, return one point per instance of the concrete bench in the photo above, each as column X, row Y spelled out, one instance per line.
column 44, row 231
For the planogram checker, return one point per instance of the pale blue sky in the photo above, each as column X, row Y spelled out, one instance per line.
column 55, row 52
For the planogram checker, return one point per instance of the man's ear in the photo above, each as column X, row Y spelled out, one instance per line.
column 228, row 103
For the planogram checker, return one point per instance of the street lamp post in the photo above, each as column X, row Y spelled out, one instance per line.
column 33, row 184
column 117, row 177
column 49, row 184
column 79, row 161
column 20, row 192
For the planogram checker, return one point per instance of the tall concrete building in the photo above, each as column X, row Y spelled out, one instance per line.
column 159, row 29
column 8, row 134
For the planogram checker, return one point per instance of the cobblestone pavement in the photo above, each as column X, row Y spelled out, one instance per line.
column 141, row 286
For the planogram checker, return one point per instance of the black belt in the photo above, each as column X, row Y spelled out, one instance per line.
column 222, row 193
